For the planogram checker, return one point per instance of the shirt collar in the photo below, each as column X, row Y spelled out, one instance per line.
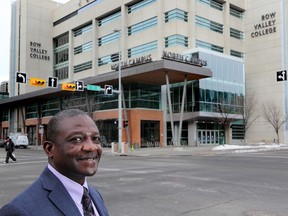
column 74, row 189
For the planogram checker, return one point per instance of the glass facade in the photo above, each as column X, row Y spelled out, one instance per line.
column 61, row 56
column 225, row 88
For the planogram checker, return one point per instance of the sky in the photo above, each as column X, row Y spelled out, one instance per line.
column 5, row 21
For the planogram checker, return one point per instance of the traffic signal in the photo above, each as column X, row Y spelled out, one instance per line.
column 125, row 124
column 68, row 87
column 37, row 82
column 116, row 123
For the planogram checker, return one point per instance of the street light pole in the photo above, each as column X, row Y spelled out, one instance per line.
column 120, row 147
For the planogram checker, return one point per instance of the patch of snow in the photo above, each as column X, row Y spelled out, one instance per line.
column 250, row 148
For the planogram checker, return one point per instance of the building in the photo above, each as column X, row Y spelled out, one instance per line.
column 180, row 62
column 265, row 60
column 4, row 87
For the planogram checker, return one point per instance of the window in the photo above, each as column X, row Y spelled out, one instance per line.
column 213, row 4
column 63, row 39
column 236, row 53
column 5, row 115
column 105, row 60
column 83, row 48
column 61, row 72
column 175, row 40
column 236, row 34
column 209, row 46
column 88, row 6
column 61, row 56
column 142, row 49
column 50, row 108
column 109, row 18
column 238, row 132
column 213, row 26
column 142, row 26
column 236, row 13
column 57, row 22
column 83, row 66
column 139, row 5
column 108, row 38
column 31, row 111
column 176, row 14
column 82, row 30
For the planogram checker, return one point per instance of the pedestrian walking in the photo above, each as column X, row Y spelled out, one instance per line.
column 10, row 147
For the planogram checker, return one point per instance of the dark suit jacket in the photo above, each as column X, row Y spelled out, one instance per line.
column 47, row 196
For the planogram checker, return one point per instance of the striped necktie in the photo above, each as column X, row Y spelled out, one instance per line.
column 87, row 204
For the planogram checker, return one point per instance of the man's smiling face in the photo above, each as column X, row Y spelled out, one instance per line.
column 76, row 149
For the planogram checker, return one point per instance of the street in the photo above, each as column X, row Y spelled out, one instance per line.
column 246, row 184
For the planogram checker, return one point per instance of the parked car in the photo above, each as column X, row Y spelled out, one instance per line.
column 20, row 140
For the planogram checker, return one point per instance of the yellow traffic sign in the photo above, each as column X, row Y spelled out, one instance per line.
column 68, row 87
column 37, row 82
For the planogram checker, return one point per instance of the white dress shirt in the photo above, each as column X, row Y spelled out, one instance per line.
column 74, row 189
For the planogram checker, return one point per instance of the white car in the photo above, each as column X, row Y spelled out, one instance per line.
column 20, row 140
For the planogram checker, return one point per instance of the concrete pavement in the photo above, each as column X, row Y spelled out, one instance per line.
column 166, row 151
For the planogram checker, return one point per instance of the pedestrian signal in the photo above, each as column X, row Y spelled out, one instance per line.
column 37, row 82
column 125, row 124
column 68, row 87
column 116, row 123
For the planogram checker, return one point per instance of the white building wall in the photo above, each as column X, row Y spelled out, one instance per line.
column 263, row 58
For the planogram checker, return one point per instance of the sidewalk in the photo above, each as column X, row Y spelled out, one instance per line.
column 198, row 150
column 166, row 151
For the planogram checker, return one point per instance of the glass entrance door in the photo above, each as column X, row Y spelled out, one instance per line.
column 208, row 136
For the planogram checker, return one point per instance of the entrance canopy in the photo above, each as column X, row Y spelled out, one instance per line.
column 150, row 73
column 154, row 73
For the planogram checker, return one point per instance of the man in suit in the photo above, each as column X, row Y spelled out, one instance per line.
column 74, row 151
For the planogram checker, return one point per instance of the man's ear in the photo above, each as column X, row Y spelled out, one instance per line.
column 48, row 147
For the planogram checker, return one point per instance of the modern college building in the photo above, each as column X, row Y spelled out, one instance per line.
column 180, row 62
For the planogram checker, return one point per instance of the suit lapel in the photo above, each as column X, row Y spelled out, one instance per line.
column 98, row 202
column 59, row 196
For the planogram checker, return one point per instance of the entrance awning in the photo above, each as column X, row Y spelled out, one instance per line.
column 154, row 73
column 150, row 73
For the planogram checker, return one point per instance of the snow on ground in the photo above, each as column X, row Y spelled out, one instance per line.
column 250, row 148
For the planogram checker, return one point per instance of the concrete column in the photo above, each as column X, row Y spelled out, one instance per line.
column 192, row 133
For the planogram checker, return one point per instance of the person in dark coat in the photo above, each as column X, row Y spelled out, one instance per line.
column 10, row 147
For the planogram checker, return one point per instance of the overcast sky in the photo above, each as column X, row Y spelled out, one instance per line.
column 5, row 20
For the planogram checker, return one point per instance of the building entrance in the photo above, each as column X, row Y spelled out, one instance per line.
column 209, row 137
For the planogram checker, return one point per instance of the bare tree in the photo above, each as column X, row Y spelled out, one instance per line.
column 247, row 113
column 273, row 115
column 226, row 116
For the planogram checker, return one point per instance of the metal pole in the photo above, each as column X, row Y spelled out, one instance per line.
column 182, row 110
column 120, row 147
